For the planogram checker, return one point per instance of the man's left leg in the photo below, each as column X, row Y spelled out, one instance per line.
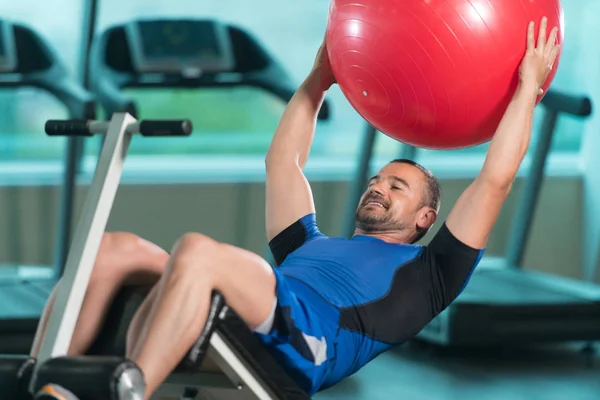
column 123, row 258
column 177, row 316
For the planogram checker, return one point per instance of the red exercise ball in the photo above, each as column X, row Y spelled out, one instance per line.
column 435, row 74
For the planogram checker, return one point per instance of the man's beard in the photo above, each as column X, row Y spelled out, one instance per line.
column 371, row 222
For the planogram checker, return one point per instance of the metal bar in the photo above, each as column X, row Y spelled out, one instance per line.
column 198, row 379
column 229, row 361
column 75, row 148
column 235, row 375
column 102, row 127
column 90, row 14
column 67, row 198
column 86, row 242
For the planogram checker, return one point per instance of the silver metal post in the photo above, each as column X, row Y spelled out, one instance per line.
column 223, row 354
column 86, row 240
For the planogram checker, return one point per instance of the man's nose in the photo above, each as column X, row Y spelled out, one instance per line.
column 377, row 189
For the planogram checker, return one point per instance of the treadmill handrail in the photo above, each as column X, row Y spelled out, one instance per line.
column 560, row 102
column 112, row 98
column 79, row 102
column 555, row 102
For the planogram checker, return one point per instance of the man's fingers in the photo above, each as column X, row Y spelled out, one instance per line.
column 551, row 41
column 553, row 54
column 541, row 42
column 530, row 36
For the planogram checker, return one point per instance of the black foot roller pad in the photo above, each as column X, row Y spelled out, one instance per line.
column 15, row 374
column 112, row 339
column 93, row 377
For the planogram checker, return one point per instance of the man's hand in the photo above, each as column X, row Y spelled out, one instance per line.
column 322, row 68
column 539, row 59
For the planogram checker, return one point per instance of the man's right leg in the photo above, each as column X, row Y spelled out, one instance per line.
column 178, row 313
column 123, row 258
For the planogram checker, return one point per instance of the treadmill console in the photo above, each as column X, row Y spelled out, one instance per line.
column 8, row 53
column 180, row 46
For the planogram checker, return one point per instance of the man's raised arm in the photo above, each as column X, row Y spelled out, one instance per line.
column 288, row 196
column 477, row 209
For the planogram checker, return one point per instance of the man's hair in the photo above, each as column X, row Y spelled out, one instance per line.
column 433, row 193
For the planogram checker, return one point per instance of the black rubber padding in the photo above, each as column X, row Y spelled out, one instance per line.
column 15, row 374
column 166, row 128
column 254, row 353
column 87, row 377
column 195, row 355
column 67, row 128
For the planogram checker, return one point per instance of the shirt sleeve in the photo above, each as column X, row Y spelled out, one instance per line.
column 451, row 263
column 294, row 236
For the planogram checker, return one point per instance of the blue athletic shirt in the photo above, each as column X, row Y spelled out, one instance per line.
column 383, row 293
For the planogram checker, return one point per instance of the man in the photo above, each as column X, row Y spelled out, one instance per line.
column 333, row 304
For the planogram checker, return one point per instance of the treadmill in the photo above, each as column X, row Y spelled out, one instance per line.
column 181, row 53
column 27, row 60
column 504, row 304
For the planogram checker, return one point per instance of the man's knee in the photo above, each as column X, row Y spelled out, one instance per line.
column 195, row 254
column 123, row 253
column 118, row 242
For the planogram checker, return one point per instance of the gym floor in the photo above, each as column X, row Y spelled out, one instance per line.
column 516, row 374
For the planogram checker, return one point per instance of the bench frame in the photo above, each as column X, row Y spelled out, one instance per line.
column 236, row 373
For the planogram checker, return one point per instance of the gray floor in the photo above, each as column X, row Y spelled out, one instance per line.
column 424, row 374
column 417, row 372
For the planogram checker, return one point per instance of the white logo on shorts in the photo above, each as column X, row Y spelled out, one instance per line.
column 317, row 347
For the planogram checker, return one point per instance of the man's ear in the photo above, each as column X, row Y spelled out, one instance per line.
column 426, row 218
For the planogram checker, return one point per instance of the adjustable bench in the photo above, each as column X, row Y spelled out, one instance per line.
column 236, row 363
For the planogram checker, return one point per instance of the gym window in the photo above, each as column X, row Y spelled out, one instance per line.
column 233, row 127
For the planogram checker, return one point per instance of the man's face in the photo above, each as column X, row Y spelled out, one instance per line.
column 392, row 199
